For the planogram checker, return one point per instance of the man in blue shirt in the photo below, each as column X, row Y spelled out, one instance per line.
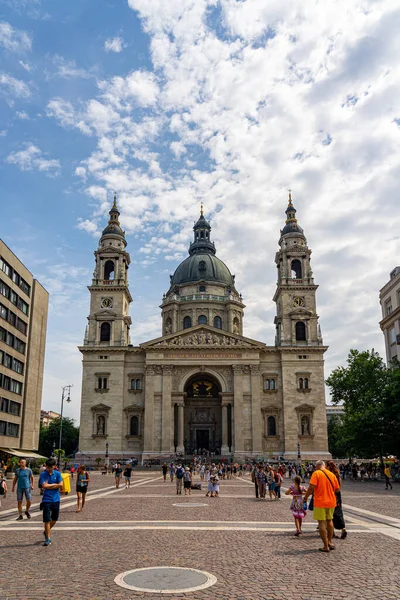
column 24, row 481
column 51, row 483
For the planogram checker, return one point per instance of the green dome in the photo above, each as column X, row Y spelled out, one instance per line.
column 202, row 266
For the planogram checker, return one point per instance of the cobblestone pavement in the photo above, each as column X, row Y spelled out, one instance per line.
column 247, row 544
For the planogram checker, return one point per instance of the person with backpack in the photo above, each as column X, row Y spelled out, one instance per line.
column 3, row 487
column 82, row 483
column 179, row 478
column 278, row 483
column 187, row 480
column 51, row 482
column 24, row 481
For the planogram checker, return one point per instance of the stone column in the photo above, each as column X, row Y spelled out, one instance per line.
column 148, row 443
column 181, row 426
column 238, row 408
column 166, row 422
column 256, row 419
column 225, row 448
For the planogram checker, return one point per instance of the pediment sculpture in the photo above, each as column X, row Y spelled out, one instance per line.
column 204, row 339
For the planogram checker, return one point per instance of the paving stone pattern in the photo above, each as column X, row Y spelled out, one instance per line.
column 81, row 564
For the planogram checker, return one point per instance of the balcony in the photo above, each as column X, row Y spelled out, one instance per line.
column 203, row 297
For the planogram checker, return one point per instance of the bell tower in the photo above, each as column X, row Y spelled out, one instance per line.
column 109, row 321
column 296, row 318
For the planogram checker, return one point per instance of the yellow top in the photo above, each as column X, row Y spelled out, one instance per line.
column 201, row 209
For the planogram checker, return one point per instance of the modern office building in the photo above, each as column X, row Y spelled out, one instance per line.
column 389, row 297
column 23, row 323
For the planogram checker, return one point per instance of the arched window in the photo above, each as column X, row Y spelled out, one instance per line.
column 134, row 426
column 306, row 383
column 109, row 270
column 138, row 385
column 272, row 384
column 187, row 322
column 300, row 331
column 296, row 269
column 301, row 383
column 202, row 320
column 271, row 426
column 218, row 322
column 102, row 383
column 105, row 332
column 202, row 265
column 267, row 385
column 133, row 381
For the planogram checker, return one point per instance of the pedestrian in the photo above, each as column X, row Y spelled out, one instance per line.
column 82, row 482
column 179, row 478
column 254, row 479
column 171, row 472
column 128, row 475
column 72, row 471
column 261, row 478
column 298, row 506
column 118, row 473
column 271, row 484
column 51, row 482
column 323, row 484
column 338, row 517
column 354, row 471
column 3, row 487
column 187, row 481
column 165, row 471
column 387, row 473
column 278, row 483
column 23, row 479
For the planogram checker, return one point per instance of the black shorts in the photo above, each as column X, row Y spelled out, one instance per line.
column 187, row 484
column 51, row 511
column 81, row 488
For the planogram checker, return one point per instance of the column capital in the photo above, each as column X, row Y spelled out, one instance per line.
column 167, row 369
column 237, row 369
column 255, row 369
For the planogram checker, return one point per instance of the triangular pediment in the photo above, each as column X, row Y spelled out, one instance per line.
column 203, row 336
column 300, row 313
column 105, row 314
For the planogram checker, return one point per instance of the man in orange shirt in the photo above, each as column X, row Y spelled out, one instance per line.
column 323, row 484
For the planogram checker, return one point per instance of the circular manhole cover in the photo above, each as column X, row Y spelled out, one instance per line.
column 165, row 580
column 190, row 504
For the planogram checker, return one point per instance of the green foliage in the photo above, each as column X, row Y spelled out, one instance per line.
column 50, row 435
column 370, row 392
column 12, row 463
column 339, row 445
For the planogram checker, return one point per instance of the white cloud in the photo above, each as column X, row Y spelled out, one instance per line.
column 13, row 87
column 13, row 39
column 25, row 65
column 21, row 114
column 89, row 226
column 67, row 69
column 31, row 159
column 115, row 44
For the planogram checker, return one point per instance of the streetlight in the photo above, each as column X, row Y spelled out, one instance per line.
column 298, row 453
column 64, row 392
column 107, row 459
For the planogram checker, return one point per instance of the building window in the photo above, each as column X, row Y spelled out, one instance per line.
column 105, row 332
column 102, row 383
column 300, row 331
column 202, row 265
column 271, row 425
column 136, row 384
column 202, row 288
column 10, row 429
column 202, row 320
column 296, row 269
column 187, row 322
column 16, row 387
column 218, row 322
column 392, row 335
column 109, row 270
column 5, row 267
column 134, row 426
column 388, row 306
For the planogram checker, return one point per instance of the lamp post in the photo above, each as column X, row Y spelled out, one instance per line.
column 107, row 459
column 298, row 454
column 68, row 399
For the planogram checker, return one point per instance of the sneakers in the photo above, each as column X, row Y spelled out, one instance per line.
column 47, row 542
column 28, row 515
column 20, row 518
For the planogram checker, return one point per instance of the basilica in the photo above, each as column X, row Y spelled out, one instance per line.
column 203, row 385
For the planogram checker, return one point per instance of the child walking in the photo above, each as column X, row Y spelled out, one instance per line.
column 297, row 506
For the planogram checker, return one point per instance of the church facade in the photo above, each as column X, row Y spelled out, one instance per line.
column 203, row 385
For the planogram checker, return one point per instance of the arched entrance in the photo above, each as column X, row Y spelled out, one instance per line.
column 202, row 415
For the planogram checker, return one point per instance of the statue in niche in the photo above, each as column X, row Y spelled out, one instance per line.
column 168, row 326
column 305, row 426
column 101, row 425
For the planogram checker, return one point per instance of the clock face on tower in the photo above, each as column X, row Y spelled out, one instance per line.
column 298, row 301
column 107, row 303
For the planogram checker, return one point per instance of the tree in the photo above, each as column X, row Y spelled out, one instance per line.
column 370, row 392
column 338, row 442
column 49, row 435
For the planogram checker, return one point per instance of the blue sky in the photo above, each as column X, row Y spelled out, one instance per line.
column 223, row 101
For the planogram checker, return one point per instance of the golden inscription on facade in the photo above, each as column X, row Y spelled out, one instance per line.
column 202, row 355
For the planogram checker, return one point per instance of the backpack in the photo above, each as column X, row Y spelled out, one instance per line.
column 2, row 490
column 179, row 473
